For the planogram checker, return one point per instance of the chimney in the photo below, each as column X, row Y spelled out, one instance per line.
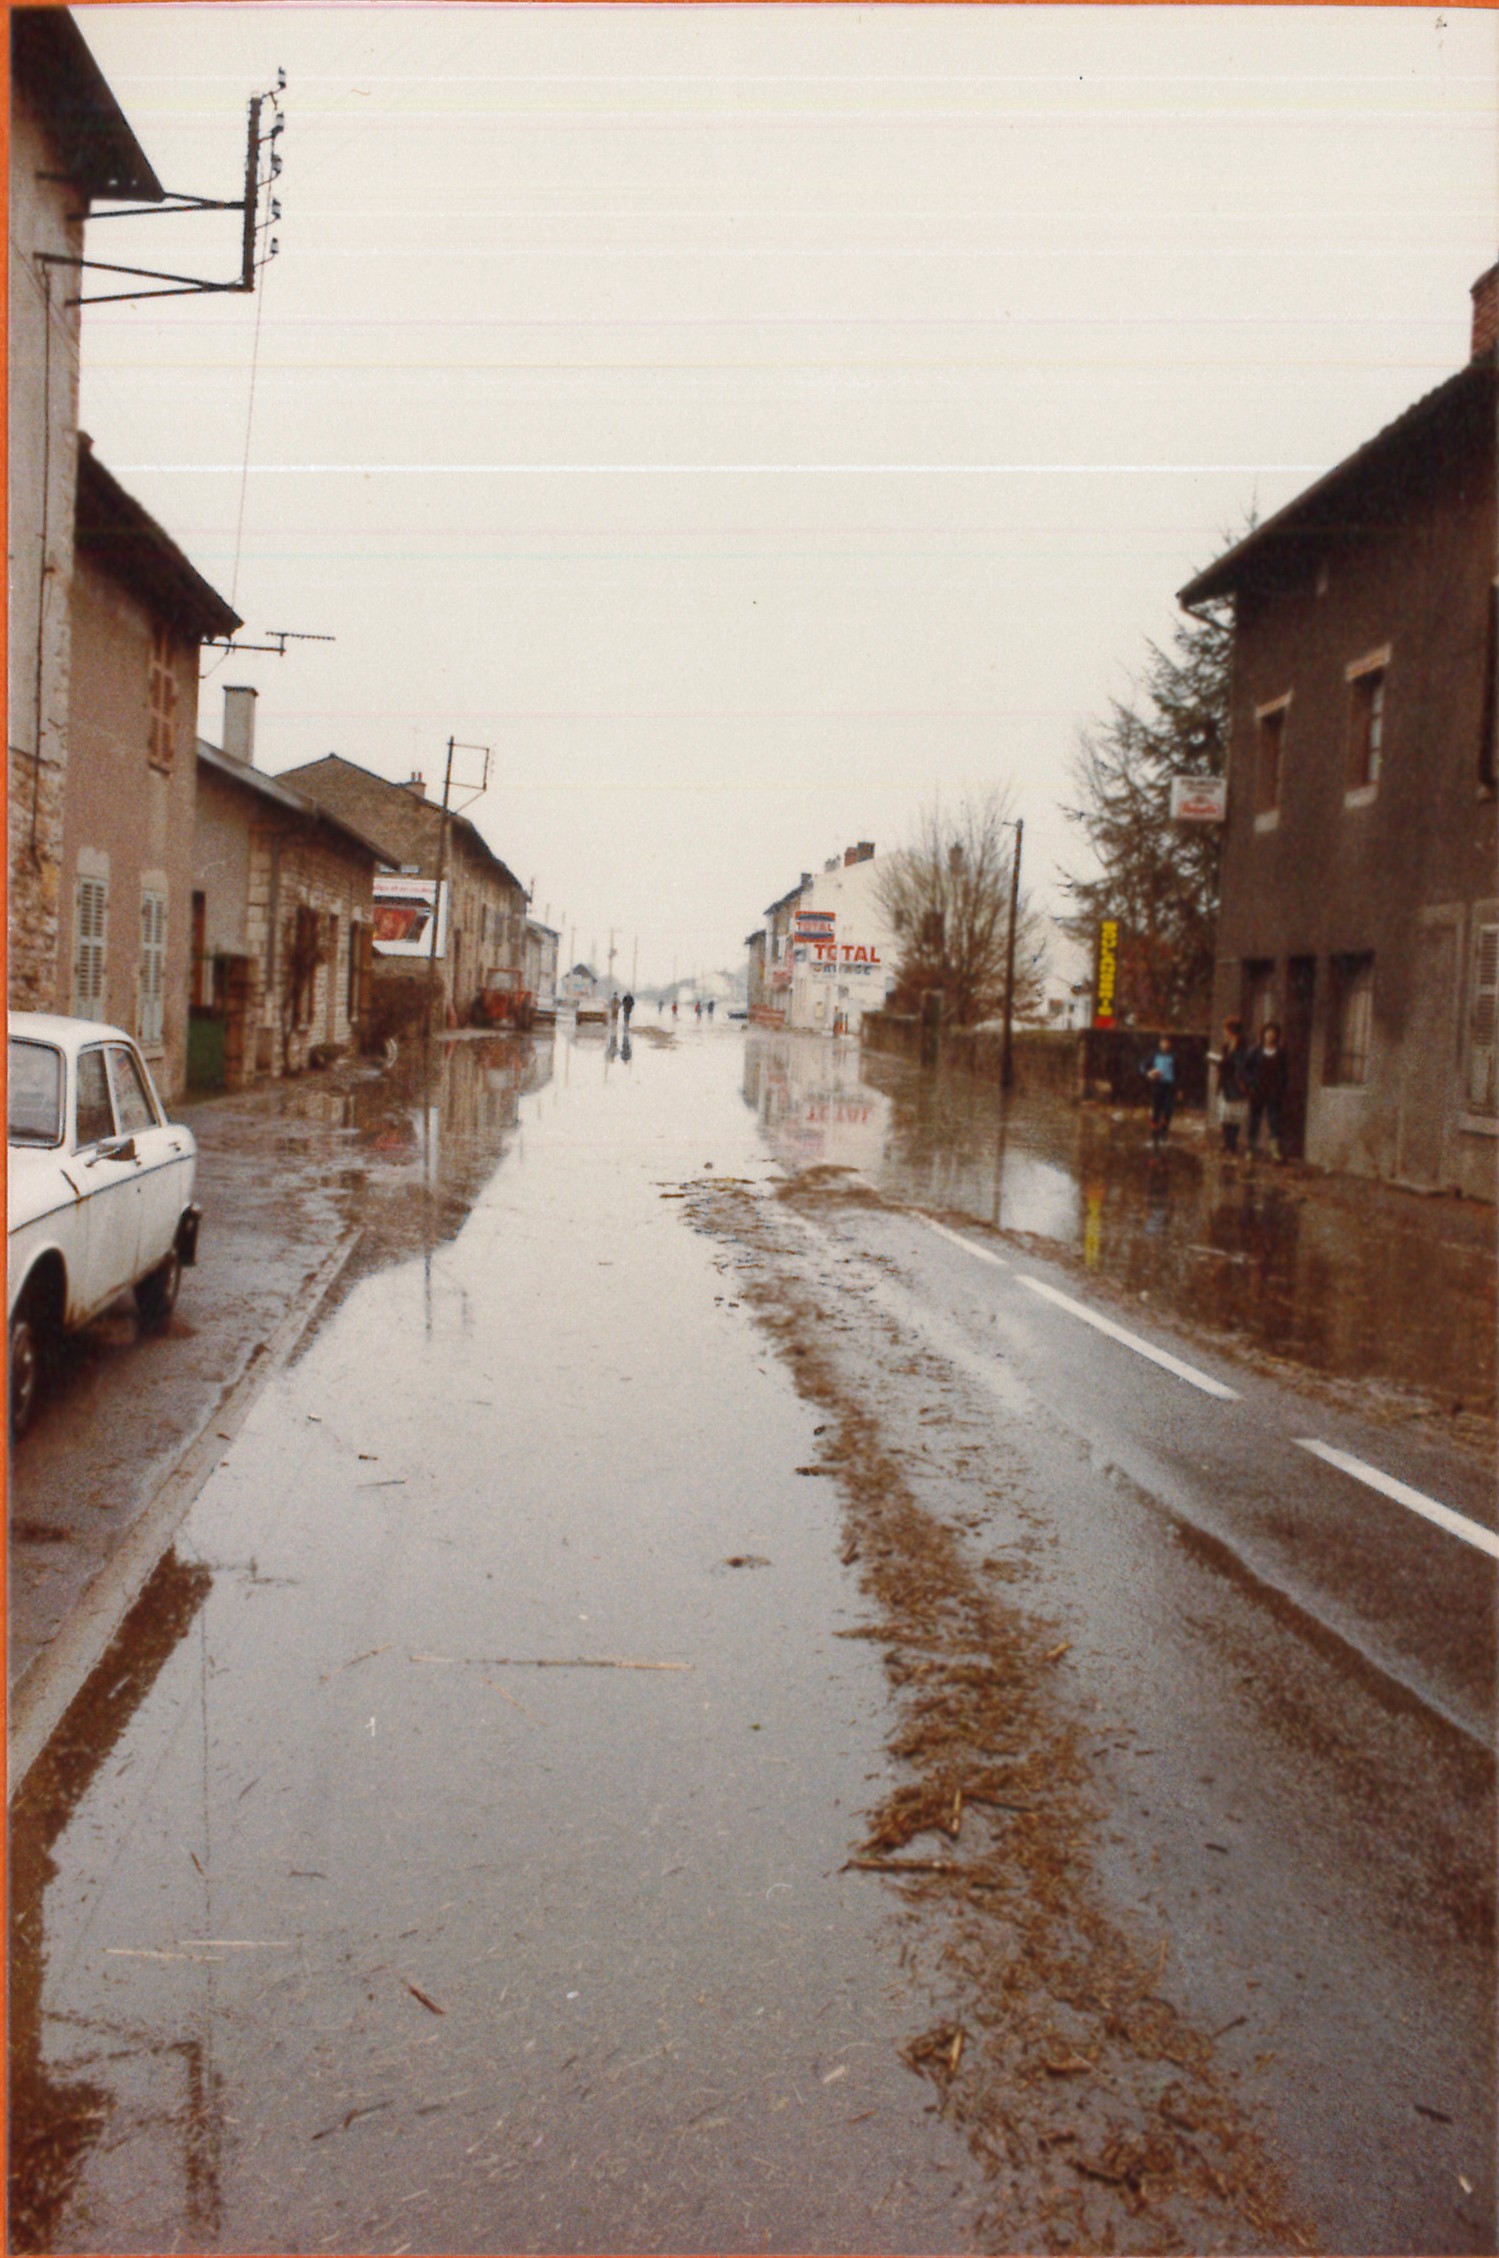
column 864, row 852
column 239, row 724
column 1485, row 295
column 417, row 783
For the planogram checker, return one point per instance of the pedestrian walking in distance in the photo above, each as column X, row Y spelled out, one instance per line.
column 627, row 1005
column 710, row 1007
column 614, row 1007
column 1267, row 1072
column 1233, row 1095
column 1161, row 1074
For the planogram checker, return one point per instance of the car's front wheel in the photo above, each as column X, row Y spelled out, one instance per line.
column 156, row 1296
column 25, row 1373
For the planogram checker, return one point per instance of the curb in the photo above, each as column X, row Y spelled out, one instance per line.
column 41, row 1697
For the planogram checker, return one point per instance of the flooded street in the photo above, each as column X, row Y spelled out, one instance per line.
column 695, row 1714
column 1344, row 1277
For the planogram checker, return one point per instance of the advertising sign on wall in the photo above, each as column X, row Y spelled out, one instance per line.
column 1106, row 972
column 403, row 917
column 1199, row 799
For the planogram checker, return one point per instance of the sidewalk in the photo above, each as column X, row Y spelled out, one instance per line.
column 305, row 1185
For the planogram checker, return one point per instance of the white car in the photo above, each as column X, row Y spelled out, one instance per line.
column 100, row 1189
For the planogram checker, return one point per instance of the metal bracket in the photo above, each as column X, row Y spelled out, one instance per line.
column 252, row 258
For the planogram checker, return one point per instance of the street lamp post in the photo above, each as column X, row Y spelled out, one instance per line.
column 1007, row 1057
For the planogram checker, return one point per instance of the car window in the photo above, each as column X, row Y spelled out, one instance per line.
column 35, row 1094
column 95, row 1113
column 133, row 1108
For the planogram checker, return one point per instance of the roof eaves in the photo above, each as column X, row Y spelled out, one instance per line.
column 124, row 540
column 1222, row 577
column 284, row 796
column 52, row 66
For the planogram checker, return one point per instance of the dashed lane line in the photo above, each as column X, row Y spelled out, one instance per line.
column 1456, row 1524
column 969, row 1246
column 1163, row 1357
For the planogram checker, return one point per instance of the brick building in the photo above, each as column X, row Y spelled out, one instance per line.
column 137, row 612
column 1359, row 874
column 282, row 917
column 69, row 147
column 486, row 908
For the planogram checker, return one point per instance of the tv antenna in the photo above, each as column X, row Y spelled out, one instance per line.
column 280, row 637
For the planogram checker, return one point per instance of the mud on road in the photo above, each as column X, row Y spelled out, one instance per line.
column 1100, row 2116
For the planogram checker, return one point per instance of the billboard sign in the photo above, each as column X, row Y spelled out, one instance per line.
column 1199, row 799
column 404, row 923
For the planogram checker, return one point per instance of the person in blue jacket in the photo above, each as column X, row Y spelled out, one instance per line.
column 1161, row 1075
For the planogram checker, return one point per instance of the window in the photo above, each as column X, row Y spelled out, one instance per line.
column 1269, row 764
column 133, row 1108
column 1351, row 1020
column 161, row 737
column 357, row 947
column 1366, row 721
column 1479, row 1091
column 95, row 1113
column 306, row 957
column 330, row 952
column 90, row 932
column 151, row 985
column 33, row 1090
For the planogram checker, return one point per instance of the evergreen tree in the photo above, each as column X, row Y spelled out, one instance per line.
column 1158, row 878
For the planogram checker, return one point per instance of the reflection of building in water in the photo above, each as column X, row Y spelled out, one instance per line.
column 812, row 1101
column 68, row 2088
column 438, row 1123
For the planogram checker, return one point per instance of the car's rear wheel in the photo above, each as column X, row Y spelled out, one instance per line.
column 25, row 1369
column 156, row 1296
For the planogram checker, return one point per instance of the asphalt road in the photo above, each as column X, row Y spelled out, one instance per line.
column 454, row 1851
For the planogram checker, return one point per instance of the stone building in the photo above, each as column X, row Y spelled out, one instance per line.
column 137, row 613
column 1360, row 901
column 282, row 918
column 69, row 147
column 486, row 903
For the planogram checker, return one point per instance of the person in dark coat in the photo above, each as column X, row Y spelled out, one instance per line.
column 627, row 1005
column 1233, row 1095
column 1266, row 1076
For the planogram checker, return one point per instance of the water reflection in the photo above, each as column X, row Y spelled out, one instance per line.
column 426, row 1135
column 59, row 2113
column 1353, row 1279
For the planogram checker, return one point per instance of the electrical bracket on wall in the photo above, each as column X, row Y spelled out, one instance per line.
column 262, row 167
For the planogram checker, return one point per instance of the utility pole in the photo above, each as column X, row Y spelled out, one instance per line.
column 1007, row 1059
column 442, row 864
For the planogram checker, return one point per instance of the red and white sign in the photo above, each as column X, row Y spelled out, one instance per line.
column 1199, row 799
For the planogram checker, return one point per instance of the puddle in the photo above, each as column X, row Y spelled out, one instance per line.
column 1357, row 1281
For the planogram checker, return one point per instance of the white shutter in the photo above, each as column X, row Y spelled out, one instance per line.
column 1483, row 1008
column 90, row 931
column 150, row 1010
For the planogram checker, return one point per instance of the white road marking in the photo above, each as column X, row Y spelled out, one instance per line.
column 1456, row 1524
column 969, row 1246
column 1162, row 1357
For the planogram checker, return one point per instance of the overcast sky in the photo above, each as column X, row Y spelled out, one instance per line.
column 750, row 422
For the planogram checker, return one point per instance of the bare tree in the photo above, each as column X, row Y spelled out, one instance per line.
column 947, row 895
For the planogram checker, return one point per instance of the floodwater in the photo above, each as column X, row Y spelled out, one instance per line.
column 1356, row 1281
column 452, row 1852
column 448, row 1854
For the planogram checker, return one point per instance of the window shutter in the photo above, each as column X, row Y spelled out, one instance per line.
column 1483, row 1011
column 90, row 914
column 151, row 1004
